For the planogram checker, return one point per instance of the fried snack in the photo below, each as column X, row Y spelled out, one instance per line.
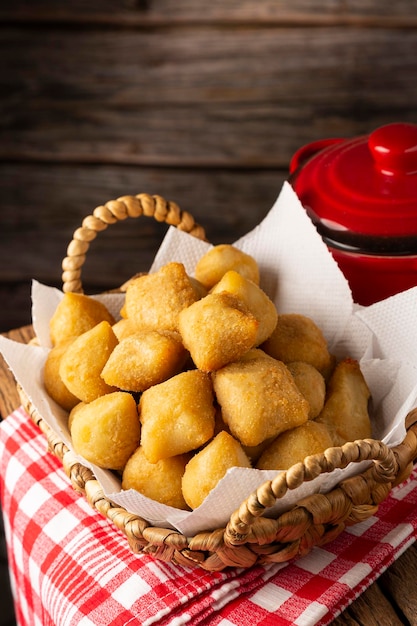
column 73, row 413
column 298, row 338
column 159, row 481
column 311, row 384
column 294, row 445
column 222, row 258
column 154, row 301
column 256, row 300
column 217, row 330
column 83, row 361
column 74, row 315
column 124, row 328
column 252, row 452
column 52, row 380
column 144, row 359
column 106, row 431
column 259, row 399
column 177, row 415
column 256, row 353
column 207, row 467
column 345, row 411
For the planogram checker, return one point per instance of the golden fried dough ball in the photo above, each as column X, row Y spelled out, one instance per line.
column 345, row 411
column 259, row 399
column 83, row 361
column 159, row 481
column 252, row 452
column 294, row 445
column 298, row 338
column 154, row 301
column 177, row 415
column 255, row 353
column 144, row 359
column 258, row 303
column 53, row 381
column 311, row 384
column 217, row 330
column 222, row 258
column 74, row 315
column 207, row 467
column 73, row 413
column 298, row 371
column 106, row 431
column 124, row 328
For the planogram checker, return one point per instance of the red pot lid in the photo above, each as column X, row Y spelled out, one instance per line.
column 365, row 186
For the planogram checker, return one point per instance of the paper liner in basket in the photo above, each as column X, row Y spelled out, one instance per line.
column 301, row 276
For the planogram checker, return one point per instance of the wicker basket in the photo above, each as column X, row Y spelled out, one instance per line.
column 249, row 537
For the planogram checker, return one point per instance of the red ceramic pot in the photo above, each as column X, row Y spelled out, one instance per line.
column 362, row 196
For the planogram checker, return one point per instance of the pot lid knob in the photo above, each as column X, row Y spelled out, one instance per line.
column 394, row 148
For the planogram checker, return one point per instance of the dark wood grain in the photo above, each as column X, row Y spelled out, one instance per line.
column 206, row 97
column 399, row 584
column 137, row 12
column 371, row 608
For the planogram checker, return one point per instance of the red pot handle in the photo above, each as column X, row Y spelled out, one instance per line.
column 310, row 149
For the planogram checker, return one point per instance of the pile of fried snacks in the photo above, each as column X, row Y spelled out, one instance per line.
column 200, row 374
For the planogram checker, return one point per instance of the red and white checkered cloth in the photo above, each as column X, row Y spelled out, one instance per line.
column 71, row 567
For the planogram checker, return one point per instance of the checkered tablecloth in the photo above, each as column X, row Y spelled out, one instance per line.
column 70, row 567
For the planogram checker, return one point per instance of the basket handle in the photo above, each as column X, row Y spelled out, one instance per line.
column 111, row 212
column 388, row 465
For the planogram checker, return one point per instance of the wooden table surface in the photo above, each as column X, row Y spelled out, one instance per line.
column 390, row 601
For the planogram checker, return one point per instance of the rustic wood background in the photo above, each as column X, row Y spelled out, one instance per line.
column 202, row 103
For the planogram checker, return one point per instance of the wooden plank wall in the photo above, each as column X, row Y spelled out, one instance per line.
column 202, row 103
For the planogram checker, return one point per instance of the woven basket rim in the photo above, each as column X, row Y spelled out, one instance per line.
column 313, row 521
